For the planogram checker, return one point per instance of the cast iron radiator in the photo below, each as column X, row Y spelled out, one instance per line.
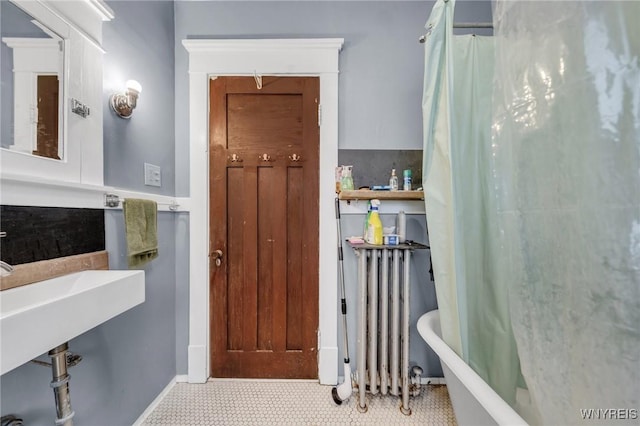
column 383, row 321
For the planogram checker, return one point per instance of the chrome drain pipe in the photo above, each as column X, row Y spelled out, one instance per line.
column 416, row 378
column 60, row 385
column 11, row 420
column 72, row 360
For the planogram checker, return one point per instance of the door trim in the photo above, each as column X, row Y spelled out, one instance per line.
column 282, row 57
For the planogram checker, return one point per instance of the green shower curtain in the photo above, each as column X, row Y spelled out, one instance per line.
column 436, row 168
column 461, row 213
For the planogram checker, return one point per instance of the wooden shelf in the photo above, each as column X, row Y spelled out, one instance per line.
column 367, row 194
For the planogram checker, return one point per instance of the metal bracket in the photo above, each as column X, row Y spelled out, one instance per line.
column 111, row 200
column 79, row 108
column 258, row 79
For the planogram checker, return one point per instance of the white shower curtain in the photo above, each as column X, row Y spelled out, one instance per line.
column 567, row 173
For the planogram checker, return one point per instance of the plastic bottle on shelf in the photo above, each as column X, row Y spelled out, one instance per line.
column 365, row 232
column 407, row 180
column 401, row 226
column 393, row 180
column 346, row 183
column 374, row 233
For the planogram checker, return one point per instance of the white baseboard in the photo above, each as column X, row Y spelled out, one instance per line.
column 182, row 378
column 432, row 380
column 327, row 366
column 197, row 364
column 155, row 402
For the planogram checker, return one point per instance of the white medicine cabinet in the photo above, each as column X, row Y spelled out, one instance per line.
column 69, row 34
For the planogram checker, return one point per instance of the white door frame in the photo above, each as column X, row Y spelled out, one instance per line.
column 285, row 57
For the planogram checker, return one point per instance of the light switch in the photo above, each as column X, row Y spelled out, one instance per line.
column 152, row 175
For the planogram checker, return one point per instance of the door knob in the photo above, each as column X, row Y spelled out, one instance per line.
column 217, row 255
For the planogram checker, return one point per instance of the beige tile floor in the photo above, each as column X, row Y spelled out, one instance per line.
column 243, row 402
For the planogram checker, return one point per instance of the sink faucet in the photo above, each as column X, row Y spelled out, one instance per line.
column 5, row 268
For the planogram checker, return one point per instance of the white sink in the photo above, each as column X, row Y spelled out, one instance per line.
column 36, row 318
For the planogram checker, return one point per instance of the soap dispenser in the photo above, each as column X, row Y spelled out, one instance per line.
column 393, row 181
column 347, row 178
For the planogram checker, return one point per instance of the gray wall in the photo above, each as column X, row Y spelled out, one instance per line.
column 131, row 358
column 381, row 63
column 139, row 44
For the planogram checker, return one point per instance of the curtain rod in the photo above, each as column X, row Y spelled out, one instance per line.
column 423, row 38
column 472, row 25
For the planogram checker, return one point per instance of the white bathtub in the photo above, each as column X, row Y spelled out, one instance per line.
column 474, row 402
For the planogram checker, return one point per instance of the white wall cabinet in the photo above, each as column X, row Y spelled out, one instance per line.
column 85, row 85
column 79, row 24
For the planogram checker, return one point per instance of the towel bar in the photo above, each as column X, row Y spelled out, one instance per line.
column 113, row 200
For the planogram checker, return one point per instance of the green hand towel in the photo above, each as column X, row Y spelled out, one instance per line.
column 141, row 229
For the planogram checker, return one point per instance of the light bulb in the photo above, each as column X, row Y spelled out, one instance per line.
column 134, row 86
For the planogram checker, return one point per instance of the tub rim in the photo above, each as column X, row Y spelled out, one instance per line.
column 494, row 405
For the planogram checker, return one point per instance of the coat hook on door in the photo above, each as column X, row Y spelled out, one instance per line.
column 235, row 158
column 265, row 157
column 258, row 79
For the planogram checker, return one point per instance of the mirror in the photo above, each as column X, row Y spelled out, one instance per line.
column 31, row 91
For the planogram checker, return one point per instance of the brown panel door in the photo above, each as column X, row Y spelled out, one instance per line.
column 47, row 130
column 264, row 149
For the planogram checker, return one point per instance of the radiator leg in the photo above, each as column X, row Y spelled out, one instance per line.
column 384, row 324
column 416, row 377
column 406, row 280
column 395, row 326
column 362, row 329
column 373, row 323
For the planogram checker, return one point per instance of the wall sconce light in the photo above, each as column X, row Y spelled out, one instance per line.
column 124, row 103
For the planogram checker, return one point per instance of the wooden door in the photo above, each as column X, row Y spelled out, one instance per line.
column 264, row 149
column 47, row 124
